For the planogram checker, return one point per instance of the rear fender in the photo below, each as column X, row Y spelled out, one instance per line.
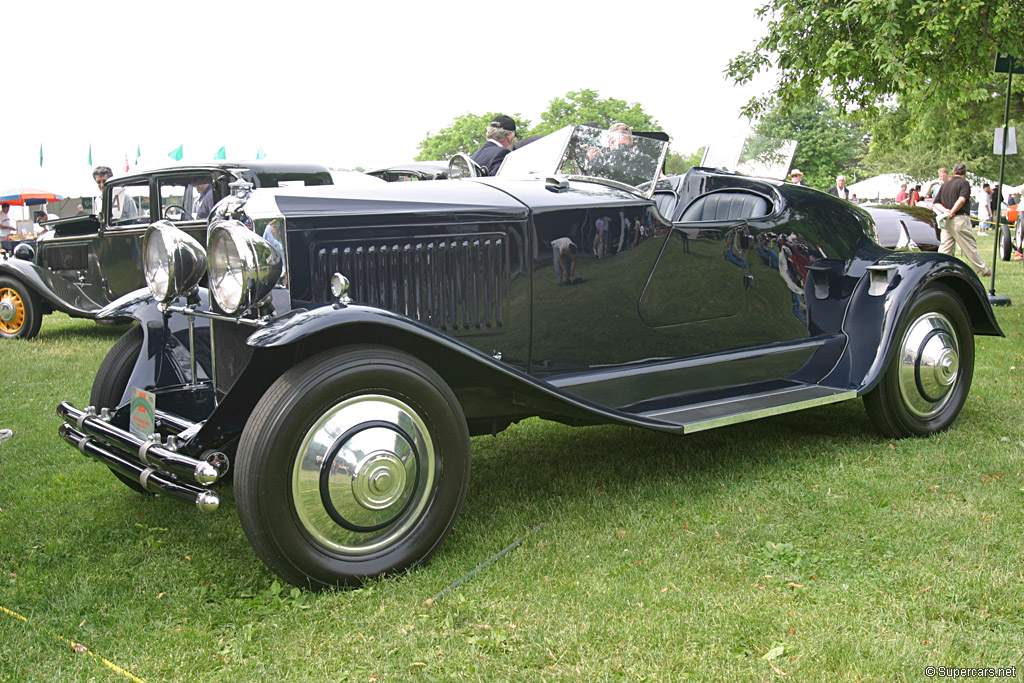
column 872, row 321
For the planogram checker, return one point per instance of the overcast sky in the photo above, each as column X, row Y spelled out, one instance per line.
column 341, row 84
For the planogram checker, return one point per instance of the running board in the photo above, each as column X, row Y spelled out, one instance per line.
column 701, row 416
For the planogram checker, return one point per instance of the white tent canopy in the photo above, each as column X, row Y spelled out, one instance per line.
column 883, row 188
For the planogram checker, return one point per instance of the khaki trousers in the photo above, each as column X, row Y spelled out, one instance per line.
column 957, row 232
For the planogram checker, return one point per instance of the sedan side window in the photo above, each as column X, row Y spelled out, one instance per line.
column 187, row 198
column 129, row 204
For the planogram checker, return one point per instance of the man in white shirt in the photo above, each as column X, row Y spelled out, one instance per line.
column 6, row 227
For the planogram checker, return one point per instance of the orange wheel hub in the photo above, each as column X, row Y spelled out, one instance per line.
column 12, row 311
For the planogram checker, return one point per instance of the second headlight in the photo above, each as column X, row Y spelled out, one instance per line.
column 244, row 267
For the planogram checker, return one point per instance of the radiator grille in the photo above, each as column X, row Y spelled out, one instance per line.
column 449, row 283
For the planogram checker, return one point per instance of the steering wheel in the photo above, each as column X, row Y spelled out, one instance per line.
column 173, row 212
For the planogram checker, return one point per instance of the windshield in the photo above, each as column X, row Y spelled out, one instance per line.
column 586, row 152
column 753, row 155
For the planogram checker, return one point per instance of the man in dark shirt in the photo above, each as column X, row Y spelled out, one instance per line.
column 501, row 133
column 952, row 205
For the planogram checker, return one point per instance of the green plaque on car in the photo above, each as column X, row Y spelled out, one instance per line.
column 141, row 420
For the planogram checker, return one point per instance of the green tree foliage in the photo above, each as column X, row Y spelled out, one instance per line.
column 827, row 143
column 678, row 164
column 465, row 134
column 918, row 73
column 584, row 106
column 863, row 51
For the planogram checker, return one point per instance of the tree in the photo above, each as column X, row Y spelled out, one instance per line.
column 917, row 73
column 584, row 106
column 827, row 143
column 465, row 134
column 678, row 164
column 864, row 52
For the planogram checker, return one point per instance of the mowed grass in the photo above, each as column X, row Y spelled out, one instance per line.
column 801, row 547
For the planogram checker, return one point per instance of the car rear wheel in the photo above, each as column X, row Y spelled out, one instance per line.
column 1005, row 243
column 354, row 463
column 929, row 374
column 21, row 313
column 112, row 380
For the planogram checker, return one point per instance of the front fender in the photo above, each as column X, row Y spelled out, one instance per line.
column 61, row 294
column 871, row 321
column 492, row 393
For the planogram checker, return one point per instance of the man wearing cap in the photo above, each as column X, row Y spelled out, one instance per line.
column 797, row 176
column 501, row 133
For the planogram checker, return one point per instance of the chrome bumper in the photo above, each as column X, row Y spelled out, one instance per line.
column 157, row 466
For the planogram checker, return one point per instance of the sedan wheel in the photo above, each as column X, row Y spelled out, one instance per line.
column 352, row 465
column 929, row 374
column 20, row 312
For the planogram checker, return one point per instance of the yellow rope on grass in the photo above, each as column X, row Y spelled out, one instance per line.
column 78, row 647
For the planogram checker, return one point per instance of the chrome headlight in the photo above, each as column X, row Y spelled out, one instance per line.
column 244, row 267
column 173, row 261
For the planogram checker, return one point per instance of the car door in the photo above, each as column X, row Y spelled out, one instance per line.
column 133, row 207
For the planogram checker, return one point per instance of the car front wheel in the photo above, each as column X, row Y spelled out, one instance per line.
column 929, row 374
column 112, row 380
column 21, row 313
column 353, row 464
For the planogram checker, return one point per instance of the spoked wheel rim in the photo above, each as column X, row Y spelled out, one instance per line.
column 929, row 365
column 363, row 474
column 12, row 311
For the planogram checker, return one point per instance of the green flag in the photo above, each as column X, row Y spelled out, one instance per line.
column 138, row 153
column 90, row 154
column 221, row 153
column 40, row 155
column 176, row 153
column 261, row 154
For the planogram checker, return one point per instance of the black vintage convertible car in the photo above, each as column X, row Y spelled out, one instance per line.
column 350, row 342
column 91, row 260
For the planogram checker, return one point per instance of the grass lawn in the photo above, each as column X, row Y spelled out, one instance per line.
column 800, row 547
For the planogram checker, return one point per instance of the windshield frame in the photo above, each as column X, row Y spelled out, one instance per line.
column 551, row 154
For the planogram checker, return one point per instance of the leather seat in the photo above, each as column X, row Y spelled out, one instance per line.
column 725, row 206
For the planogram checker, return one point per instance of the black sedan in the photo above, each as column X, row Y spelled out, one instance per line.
column 89, row 261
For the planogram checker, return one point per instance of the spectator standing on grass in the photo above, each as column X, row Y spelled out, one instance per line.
column 839, row 189
column 902, row 197
column 6, row 228
column 952, row 205
column 985, row 210
column 933, row 189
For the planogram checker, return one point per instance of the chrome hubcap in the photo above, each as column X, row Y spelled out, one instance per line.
column 7, row 311
column 364, row 474
column 929, row 364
